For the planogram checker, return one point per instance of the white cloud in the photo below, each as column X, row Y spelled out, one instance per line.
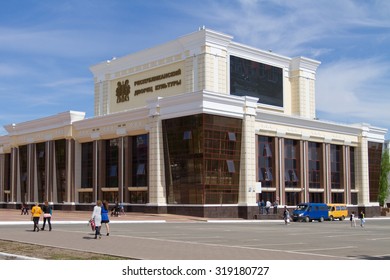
column 354, row 89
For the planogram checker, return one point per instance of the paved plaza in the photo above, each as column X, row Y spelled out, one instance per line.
column 167, row 237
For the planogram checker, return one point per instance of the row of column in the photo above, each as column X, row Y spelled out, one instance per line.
column 49, row 185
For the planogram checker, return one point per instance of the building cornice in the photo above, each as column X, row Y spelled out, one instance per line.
column 372, row 133
column 204, row 102
column 51, row 122
column 255, row 54
column 305, row 64
column 111, row 119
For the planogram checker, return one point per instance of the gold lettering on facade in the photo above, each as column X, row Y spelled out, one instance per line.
column 122, row 91
column 159, row 86
column 158, row 77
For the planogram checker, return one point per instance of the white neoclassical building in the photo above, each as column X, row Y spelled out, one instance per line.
column 201, row 125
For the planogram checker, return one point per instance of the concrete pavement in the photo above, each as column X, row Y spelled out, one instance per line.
column 169, row 237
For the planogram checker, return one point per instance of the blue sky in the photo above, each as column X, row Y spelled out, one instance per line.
column 47, row 47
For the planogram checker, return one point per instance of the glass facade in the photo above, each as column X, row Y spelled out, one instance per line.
column 23, row 173
column 202, row 155
column 87, row 165
column 60, row 157
column 108, row 185
column 316, row 197
column 315, row 165
column 86, row 196
column 374, row 168
column 111, row 163
column 352, row 167
column 265, row 161
column 7, row 177
column 292, row 198
column 336, row 167
column 292, row 171
column 291, row 163
column 41, row 171
column 136, row 166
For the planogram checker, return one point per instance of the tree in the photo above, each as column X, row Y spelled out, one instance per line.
column 383, row 180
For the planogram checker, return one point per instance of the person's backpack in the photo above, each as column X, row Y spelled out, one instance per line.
column 350, row 217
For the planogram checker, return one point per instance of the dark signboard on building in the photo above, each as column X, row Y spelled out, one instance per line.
column 256, row 79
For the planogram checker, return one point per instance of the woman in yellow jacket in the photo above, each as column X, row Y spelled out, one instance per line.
column 36, row 213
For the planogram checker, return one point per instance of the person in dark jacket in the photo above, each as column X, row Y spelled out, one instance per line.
column 105, row 219
column 47, row 212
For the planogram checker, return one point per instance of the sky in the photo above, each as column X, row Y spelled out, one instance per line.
column 48, row 46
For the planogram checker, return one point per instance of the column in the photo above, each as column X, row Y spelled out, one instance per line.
column 280, row 192
column 247, row 189
column 157, row 186
column 305, row 170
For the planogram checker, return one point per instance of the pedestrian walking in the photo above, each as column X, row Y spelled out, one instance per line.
column 262, row 205
column 267, row 206
column 352, row 219
column 286, row 216
column 97, row 218
column 24, row 209
column 47, row 212
column 36, row 213
column 362, row 219
column 276, row 207
column 105, row 219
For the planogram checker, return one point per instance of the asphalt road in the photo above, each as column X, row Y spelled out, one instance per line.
column 220, row 240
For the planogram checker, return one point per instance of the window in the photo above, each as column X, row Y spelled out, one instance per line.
column 316, row 197
column 86, row 165
column 6, row 180
column 265, row 161
column 187, row 135
column 139, row 161
column 291, row 163
column 60, row 155
column 336, row 166
column 232, row 136
column 337, row 197
column 23, row 172
column 230, row 165
column 374, row 168
column 352, row 167
column 315, row 165
column 112, row 159
column 293, row 198
column 141, row 169
column 41, row 171
column 136, row 168
column 204, row 170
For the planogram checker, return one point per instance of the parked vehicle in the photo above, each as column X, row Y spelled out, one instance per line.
column 337, row 211
column 311, row 211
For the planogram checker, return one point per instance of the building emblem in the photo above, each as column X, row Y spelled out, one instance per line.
column 122, row 91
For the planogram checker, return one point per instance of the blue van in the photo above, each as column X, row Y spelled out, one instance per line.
column 311, row 211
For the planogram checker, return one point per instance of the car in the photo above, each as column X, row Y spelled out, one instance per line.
column 337, row 211
column 308, row 212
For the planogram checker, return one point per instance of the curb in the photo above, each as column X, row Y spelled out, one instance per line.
column 7, row 256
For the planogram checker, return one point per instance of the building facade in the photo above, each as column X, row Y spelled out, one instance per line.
column 201, row 125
